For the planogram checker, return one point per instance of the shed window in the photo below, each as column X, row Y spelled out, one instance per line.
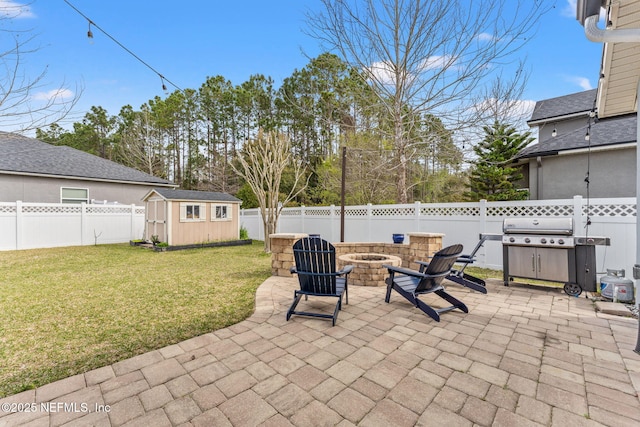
column 192, row 212
column 74, row 195
column 220, row 212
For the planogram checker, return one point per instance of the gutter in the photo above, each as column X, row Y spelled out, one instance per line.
column 83, row 178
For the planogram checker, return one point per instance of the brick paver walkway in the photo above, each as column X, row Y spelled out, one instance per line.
column 523, row 356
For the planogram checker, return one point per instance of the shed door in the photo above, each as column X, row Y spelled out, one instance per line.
column 156, row 220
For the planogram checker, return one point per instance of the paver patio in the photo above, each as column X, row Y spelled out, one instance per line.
column 523, row 356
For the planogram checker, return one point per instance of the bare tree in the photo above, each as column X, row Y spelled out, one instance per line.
column 263, row 162
column 26, row 102
column 428, row 57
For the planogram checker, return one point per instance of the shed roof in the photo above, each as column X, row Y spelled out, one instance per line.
column 563, row 106
column 208, row 196
column 604, row 132
column 28, row 156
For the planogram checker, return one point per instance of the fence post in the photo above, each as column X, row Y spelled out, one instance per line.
column 482, row 205
column 19, row 224
column 133, row 223
column 332, row 220
column 369, row 220
column 302, row 215
column 578, row 220
column 417, row 215
column 83, row 231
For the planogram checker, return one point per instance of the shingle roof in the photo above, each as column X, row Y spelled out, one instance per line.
column 609, row 131
column 210, row 196
column 561, row 106
column 20, row 154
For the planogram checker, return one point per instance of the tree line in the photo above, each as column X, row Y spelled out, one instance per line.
column 192, row 137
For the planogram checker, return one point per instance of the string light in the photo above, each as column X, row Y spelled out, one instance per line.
column 554, row 132
column 90, row 35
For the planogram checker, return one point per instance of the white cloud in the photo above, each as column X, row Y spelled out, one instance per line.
column 583, row 82
column 438, row 62
column 384, row 72
column 486, row 37
column 14, row 9
column 53, row 95
column 569, row 10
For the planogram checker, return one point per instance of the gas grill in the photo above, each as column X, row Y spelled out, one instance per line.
column 546, row 249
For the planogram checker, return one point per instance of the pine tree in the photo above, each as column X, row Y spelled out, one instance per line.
column 492, row 177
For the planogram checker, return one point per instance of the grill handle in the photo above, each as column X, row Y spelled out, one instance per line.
column 539, row 264
column 533, row 262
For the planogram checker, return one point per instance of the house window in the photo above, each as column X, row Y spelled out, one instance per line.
column 192, row 212
column 220, row 212
column 74, row 195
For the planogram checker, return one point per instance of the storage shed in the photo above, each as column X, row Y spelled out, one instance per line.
column 184, row 217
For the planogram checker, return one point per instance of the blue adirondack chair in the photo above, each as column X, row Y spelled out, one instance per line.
column 411, row 283
column 315, row 260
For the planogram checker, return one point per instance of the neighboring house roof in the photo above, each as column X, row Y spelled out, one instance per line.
column 21, row 155
column 563, row 107
column 604, row 132
column 192, row 195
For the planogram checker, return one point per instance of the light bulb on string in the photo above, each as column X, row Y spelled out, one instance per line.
column 90, row 34
column 587, row 137
column 554, row 132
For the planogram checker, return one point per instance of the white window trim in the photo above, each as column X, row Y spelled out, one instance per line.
column 229, row 216
column 72, row 200
column 183, row 212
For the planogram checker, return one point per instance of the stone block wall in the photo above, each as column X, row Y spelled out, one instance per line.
column 282, row 252
column 420, row 247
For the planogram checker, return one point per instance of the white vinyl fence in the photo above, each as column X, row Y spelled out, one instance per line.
column 45, row 225
column 463, row 223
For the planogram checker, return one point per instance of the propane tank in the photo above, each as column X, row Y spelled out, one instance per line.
column 616, row 287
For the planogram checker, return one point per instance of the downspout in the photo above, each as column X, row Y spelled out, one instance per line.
column 627, row 35
column 539, row 178
column 595, row 34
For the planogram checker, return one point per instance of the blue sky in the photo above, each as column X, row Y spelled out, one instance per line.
column 188, row 41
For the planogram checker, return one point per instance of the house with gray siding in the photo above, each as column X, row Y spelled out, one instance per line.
column 37, row 172
column 557, row 165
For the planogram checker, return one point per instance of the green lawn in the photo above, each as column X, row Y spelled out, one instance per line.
column 65, row 311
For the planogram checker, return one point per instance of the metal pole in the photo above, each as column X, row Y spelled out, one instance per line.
column 636, row 267
column 342, row 191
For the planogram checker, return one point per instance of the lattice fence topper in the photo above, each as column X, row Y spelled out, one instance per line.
column 8, row 209
column 291, row 212
column 139, row 210
column 394, row 211
column 318, row 212
column 450, row 211
column 355, row 212
column 610, row 210
column 109, row 209
column 55, row 209
column 554, row 210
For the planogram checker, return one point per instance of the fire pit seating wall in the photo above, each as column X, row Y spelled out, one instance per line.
column 360, row 254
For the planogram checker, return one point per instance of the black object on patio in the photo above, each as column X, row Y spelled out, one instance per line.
column 411, row 283
column 315, row 260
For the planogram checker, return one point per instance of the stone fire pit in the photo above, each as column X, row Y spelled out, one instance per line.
column 367, row 267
